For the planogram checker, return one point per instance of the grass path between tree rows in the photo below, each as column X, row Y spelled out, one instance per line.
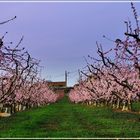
column 64, row 119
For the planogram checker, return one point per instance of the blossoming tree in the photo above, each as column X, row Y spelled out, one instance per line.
column 113, row 81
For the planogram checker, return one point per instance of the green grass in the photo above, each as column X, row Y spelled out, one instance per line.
column 64, row 119
column 136, row 106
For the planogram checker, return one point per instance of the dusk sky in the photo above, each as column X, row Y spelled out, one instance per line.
column 61, row 34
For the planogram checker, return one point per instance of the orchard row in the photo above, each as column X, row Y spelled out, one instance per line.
column 113, row 81
column 20, row 85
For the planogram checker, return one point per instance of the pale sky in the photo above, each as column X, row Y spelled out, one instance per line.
column 60, row 34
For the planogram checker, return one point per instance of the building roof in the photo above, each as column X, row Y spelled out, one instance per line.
column 56, row 84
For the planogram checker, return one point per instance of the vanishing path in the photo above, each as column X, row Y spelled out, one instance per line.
column 64, row 119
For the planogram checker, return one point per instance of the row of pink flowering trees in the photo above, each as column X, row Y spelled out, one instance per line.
column 20, row 87
column 113, row 81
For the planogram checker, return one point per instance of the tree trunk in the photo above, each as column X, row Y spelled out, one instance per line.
column 118, row 103
column 125, row 107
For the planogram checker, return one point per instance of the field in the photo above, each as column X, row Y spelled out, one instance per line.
column 64, row 119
